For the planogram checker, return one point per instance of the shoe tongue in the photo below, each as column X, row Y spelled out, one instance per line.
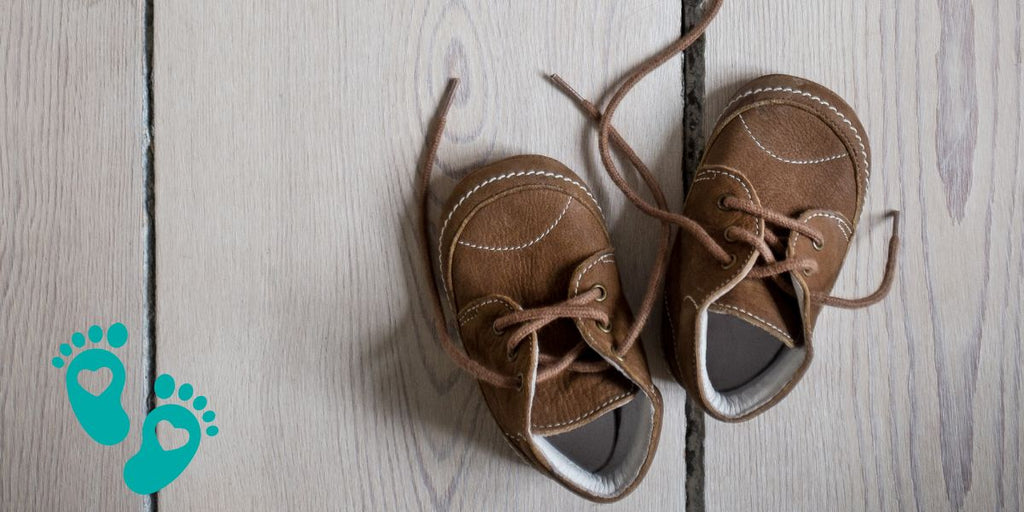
column 571, row 400
column 762, row 304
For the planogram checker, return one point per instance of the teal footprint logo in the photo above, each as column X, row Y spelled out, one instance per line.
column 104, row 419
column 102, row 416
column 153, row 467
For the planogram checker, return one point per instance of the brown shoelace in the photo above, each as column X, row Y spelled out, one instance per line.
column 772, row 267
column 529, row 321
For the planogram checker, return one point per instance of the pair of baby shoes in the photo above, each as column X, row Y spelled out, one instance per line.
column 527, row 267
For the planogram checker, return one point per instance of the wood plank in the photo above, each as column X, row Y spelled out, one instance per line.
column 289, row 286
column 71, row 239
column 916, row 403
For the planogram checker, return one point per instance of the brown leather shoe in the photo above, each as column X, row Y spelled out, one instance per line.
column 780, row 191
column 526, row 265
column 763, row 234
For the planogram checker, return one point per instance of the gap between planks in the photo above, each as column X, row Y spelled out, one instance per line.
column 150, row 503
column 693, row 145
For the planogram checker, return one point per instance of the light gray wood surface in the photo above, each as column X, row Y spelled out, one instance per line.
column 290, row 290
column 914, row 404
column 71, row 239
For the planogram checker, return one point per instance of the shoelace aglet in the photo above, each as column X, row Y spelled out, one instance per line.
column 573, row 94
column 895, row 214
column 452, row 83
column 449, row 93
column 565, row 87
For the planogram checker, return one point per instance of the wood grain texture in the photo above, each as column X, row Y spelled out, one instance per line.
column 289, row 284
column 71, row 239
column 914, row 404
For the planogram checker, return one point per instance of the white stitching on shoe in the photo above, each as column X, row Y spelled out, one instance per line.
column 586, row 414
column 772, row 154
column 762, row 320
column 602, row 259
column 527, row 244
column 465, row 316
column 513, row 436
column 440, row 237
column 790, row 90
column 844, row 226
column 701, row 177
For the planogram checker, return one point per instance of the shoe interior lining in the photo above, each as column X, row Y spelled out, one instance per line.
column 591, row 446
column 618, row 441
column 737, row 351
column 761, row 384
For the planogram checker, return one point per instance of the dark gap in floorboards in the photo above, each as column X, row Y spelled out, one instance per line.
column 693, row 146
column 150, row 503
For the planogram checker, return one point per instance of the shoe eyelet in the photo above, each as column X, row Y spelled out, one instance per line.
column 512, row 354
column 604, row 327
column 732, row 261
column 519, row 385
column 604, row 293
column 495, row 331
column 807, row 271
column 727, row 236
column 817, row 245
column 721, row 202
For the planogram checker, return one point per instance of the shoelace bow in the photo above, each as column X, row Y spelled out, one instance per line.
column 772, row 267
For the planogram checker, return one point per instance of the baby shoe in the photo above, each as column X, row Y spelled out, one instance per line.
column 779, row 195
column 525, row 264
column 764, row 231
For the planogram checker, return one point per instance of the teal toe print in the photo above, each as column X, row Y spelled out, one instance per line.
column 102, row 416
column 154, row 467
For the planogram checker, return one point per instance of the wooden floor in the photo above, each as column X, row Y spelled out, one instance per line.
column 247, row 211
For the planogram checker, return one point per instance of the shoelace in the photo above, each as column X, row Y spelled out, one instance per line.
column 529, row 321
column 532, row 320
column 772, row 267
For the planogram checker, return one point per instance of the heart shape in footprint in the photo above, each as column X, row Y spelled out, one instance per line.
column 95, row 381
column 170, row 436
